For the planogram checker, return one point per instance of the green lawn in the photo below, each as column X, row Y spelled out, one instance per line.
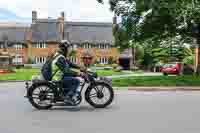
column 108, row 73
column 20, row 74
column 26, row 74
column 157, row 81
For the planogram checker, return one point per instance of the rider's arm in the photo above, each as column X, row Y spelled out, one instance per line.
column 65, row 68
column 73, row 65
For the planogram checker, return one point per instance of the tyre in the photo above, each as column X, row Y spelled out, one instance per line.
column 97, row 93
column 41, row 96
column 165, row 74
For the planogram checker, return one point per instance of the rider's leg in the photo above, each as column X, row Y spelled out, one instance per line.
column 71, row 85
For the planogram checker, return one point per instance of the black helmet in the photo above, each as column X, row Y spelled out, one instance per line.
column 63, row 47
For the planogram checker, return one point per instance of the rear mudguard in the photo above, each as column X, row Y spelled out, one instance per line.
column 35, row 84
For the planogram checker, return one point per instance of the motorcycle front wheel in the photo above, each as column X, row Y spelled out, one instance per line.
column 99, row 95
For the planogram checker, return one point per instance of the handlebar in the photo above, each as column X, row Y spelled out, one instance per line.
column 89, row 76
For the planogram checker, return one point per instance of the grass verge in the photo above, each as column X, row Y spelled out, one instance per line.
column 157, row 81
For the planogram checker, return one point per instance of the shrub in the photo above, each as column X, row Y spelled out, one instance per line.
column 134, row 68
column 96, row 61
column 19, row 66
column 28, row 67
column 100, row 65
column 110, row 60
column 29, row 61
column 108, row 68
column 11, row 69
column 115, row 66
column 118, row 69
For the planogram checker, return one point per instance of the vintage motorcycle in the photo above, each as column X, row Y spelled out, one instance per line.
column 45, row 94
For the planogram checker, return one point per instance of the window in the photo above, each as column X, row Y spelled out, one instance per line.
column 40, row 60
column 103, row 46
column 87, row 46
column 99, row 46
column 18, row 59
column 40, row 45
column 73, row 59
column 75, row 46
column 18, row 46
column 107, row 46
column 1, row 45
column 103, row 60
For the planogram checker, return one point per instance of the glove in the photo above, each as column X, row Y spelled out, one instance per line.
column 83, row 69
column 82, row 74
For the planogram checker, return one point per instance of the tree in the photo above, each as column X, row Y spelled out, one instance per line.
column 72, row 53
column 156, row 21
column 166, row 18
column 110, row 60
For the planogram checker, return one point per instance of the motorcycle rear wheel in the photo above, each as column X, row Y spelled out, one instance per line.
column 41, row 97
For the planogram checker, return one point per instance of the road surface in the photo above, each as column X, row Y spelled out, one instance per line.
column 131, row 112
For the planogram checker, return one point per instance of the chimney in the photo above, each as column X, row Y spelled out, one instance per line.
column 67, row 36
column 63, row 15
column 34, row 16
column 61, row 21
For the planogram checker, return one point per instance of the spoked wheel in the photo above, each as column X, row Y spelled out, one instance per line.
column 99, row 95
column 41, row 96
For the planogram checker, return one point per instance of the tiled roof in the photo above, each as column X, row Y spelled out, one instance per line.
column 44, row 31
column 79, row 32
column 13, row 34
column 47, row 30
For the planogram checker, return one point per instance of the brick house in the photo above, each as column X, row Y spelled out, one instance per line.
column 36, row 41
column 12, row 40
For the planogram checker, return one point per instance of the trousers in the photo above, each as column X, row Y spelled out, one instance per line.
column 70, row 85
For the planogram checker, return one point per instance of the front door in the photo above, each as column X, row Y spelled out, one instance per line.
column 125, row 63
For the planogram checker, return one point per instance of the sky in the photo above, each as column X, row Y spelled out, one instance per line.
column 75, row 10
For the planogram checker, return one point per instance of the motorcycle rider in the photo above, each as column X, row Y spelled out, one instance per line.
column 66, row 71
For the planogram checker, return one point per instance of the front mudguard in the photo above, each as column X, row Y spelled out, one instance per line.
column 105, row 80
column 97, row 82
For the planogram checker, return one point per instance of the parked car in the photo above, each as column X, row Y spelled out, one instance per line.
column 171, row 68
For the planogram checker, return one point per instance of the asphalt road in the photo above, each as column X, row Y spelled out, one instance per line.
column 131, row 112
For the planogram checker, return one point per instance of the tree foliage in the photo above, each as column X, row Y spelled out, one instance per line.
column 167, row 17
column 162, row 27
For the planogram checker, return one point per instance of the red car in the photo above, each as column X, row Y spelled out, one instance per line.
column 172, row 68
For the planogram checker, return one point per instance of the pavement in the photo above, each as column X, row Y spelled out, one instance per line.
column 136, row 74
column 159, row 88
column 131, row 111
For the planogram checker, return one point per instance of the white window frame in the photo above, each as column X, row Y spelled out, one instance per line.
column 1, row 46
column 107, row 46
column 18, row 59
column 40, row 45
column 40, row 60
column 103, row 60
column 73, row 59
